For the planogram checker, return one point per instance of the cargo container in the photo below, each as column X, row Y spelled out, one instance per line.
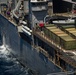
column 61, row 38
column 58, row 35
column 74, row 33
column 67, row 42
column 47, row 31
column 68, row 26
column 68, row 29
column 54, row 35
column 49, row 25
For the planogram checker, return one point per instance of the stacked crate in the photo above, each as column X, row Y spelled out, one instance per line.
column 47, row 30
column 71, row 32
column 60, row 37
column 54, row 33
column 52, row 36
column 68, row 42
column 67, row 26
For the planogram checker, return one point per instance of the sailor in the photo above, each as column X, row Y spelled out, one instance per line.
column 8, row 13
column 41, row 25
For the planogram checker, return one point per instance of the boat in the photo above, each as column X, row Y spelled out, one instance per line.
column 65, row 22
column 44, row 50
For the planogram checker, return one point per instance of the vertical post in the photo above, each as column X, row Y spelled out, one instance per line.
column 31, row 22
column 30, row 14
column 50, row 8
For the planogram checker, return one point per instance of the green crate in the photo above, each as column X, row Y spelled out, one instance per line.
column 58, row 35
column 51, row 28
column 49, row 25
column 49, row 32
column 68, row 26
column 46, row 31
column 74, row 33
column 67, row 42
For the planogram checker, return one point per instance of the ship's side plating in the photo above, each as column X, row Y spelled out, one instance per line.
column 23, row 51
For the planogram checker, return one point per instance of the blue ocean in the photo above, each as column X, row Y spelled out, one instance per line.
column 9, row 65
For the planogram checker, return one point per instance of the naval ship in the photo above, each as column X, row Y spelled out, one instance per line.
column 45, row 47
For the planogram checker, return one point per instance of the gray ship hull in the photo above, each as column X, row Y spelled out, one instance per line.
column 24, row 51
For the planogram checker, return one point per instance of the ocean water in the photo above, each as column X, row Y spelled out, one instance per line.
column 9, row 65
